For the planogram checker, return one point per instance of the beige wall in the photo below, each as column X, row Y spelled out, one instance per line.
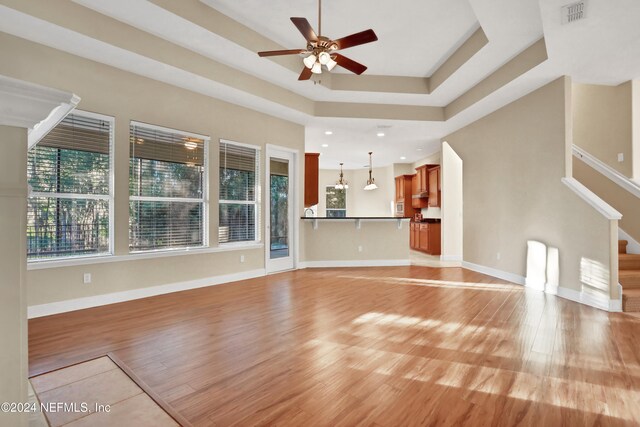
column 602, row 123
column 128, row 97
column 13, row 304
column 635, row 129
column 623, row 201
column 514, row 160
column 338, row 240
column 431, row 159
column 359, row 202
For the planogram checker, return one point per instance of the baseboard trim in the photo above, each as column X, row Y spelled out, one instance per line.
column 452, row 258
column 356, row 263
column 515, row 278
column 115, row 297
column 611, row 305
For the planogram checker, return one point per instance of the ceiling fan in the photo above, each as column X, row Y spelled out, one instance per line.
column 322, row 50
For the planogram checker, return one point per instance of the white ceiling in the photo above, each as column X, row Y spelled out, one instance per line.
column 604, row 48
column 352, row 140
column 601, row 49
column 414, row 36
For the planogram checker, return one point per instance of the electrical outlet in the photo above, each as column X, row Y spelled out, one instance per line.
column 359, row 248
column 86, row 278
column 241, row 258
column 498, row 256
column 621, row 157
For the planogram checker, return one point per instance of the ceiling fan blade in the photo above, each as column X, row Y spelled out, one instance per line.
column 366, row 36
column 281, row 52
column 349, row 64
column 305, row 28
column 305, row 74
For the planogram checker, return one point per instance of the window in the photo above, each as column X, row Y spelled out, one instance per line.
column 70, row 190
column 336, row 202
column 239, row 193
column 167, row 188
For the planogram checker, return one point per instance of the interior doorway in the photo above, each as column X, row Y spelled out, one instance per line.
column 281, row 205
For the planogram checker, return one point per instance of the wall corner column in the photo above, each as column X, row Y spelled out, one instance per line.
column 13, row 270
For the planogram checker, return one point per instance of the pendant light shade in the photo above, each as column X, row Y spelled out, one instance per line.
column 309, row 61
column 317, row 68
column 331, row 64
column 324, row 58
column 371, row 182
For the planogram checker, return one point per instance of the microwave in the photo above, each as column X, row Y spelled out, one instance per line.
column 399, row 208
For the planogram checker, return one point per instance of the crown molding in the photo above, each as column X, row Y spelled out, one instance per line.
column 32, row 106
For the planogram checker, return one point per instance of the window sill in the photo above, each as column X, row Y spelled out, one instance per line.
column 133, row 256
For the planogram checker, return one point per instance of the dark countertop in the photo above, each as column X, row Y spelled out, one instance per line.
column 355, row 217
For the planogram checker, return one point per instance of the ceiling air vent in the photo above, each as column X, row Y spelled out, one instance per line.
column 572, row 12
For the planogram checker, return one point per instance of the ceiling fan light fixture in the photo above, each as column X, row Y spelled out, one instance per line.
column 324, row 58
column 309, row 61
column 331, row 64
column 317, row 68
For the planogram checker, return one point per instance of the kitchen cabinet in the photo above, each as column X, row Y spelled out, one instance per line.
column 434, row 187
column 422, row 179
column 425, row 237
column 311, row 178
column 400, row 188
column 417, row 202
column 403, row 196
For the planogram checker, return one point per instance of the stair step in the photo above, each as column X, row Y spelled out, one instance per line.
column 629, row 261
column 631, row 300
column 629, row 279
column 622, row 246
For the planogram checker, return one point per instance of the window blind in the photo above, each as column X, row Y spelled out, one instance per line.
column 238, row 204
column 167, row 187
column 68, row 209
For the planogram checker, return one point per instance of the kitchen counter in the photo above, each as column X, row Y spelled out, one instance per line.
column 357, row 219
column 427, row 221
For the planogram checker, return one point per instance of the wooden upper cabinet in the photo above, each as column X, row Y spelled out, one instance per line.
column 422, row 179
column 414, row 184
column 403, row 194
column 311, row 178
column 400, row 188
column 434, row 187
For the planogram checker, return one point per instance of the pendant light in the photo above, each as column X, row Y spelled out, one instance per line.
column 342, row 183
column 371, row 183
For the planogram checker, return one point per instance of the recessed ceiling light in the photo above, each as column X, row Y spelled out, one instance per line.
column 328, row 132
column 419, row 149
column 403, row 158
column 325, row 145
column 380, row 134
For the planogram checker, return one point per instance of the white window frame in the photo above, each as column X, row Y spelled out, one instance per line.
column 205, row 191
column 258, row 192
column 325, row 200
column 110, row 197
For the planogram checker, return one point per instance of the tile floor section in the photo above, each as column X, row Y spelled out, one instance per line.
column 97, row 382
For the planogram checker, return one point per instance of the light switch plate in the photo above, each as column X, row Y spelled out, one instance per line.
column 86, row 278
column 621, row 157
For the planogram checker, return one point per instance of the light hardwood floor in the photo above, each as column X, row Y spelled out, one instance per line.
column 365, row 346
